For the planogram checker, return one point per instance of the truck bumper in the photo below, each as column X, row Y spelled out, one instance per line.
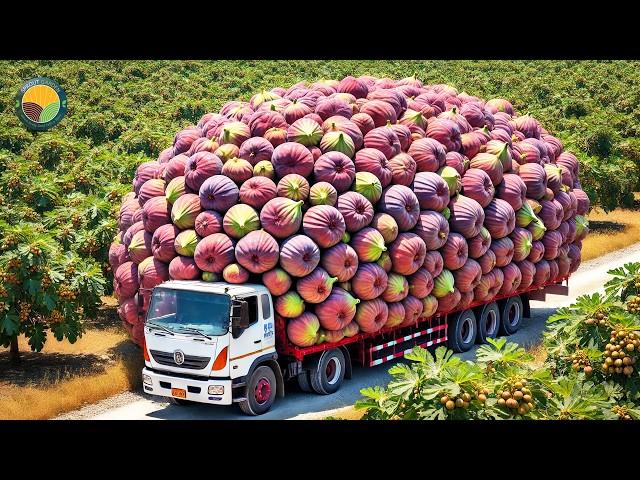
column 196, row 390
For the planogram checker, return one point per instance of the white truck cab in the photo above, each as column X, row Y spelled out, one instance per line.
column 212, row 342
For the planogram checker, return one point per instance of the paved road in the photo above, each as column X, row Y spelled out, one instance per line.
column 134, row 405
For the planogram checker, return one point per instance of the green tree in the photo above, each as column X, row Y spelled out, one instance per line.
column 44, row 289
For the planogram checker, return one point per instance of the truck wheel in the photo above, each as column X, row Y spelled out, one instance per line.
column 260, row 392
column 488, row 322
column 511, row 315
column 327, row 373
column 304, row 382
column 462, row 331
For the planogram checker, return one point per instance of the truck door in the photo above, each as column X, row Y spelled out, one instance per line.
column 251, row 343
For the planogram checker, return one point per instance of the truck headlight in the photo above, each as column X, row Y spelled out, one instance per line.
column 216, row 390
column 146, row 379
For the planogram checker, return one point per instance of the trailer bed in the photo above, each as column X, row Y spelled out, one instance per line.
column 389, row 343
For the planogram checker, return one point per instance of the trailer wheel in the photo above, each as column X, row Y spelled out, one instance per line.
column 260, row 392
column 488, row 322
column 511, row 311
column 303, row 381
column 326, row 374
column 462, row 331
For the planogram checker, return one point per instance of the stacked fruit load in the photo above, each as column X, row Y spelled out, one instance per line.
column 361, row 204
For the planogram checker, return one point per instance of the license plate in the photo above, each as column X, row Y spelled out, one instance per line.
column 179, row 392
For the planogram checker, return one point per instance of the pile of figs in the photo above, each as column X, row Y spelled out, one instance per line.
column 361, row 204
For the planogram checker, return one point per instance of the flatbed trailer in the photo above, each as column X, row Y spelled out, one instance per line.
column 372, row 349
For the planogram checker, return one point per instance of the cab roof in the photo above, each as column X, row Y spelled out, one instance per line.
column 215, row 287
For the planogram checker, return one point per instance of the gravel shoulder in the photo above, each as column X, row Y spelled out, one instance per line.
column 91, row 411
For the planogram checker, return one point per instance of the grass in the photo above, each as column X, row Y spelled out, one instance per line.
column 539, row 355
column 610, row 231
column 66, row 376
column 41, row 403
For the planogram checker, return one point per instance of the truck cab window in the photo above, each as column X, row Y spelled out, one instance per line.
column 266, row 306
column 253, row 308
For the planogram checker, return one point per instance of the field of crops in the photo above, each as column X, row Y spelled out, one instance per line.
column 60, row 189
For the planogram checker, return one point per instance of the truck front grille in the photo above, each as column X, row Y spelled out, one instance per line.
column 190, row 361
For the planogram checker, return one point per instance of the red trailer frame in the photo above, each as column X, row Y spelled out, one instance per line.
column 390, row 343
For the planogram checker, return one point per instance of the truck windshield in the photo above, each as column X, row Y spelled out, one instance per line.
column 179, row 310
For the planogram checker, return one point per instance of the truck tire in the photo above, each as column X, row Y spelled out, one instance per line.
column 303, row 381
column 461, row 332
column 327, row 372
column 488, row 321
column 511, row 311
column 260, row 392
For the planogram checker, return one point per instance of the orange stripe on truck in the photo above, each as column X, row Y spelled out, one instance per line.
column 248, row 354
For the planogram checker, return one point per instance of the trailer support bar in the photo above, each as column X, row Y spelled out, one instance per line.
column 408, row 337
column 379, row 361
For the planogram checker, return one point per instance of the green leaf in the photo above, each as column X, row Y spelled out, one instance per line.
column 624, row 277
column 499, row 351
column 32, row 286
column 49, row 301
column 9, row 324
column 405, row 383
column 419, row 354
column 374, row 393
column 37, row 337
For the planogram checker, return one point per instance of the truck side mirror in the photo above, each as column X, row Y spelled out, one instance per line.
column 239, row 317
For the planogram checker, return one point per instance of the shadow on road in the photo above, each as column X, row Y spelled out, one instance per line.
column 43, row 369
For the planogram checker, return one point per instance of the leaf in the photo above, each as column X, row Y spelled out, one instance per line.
column 497, row 343
column 542, row 375
column 399, row 369
column 623, row 277
column 9, row 324
column 431, row 414
column 48, row 301
column 372, row 392
column 578, row 398
column 499, row 351
column 448, row 387
column 32, row 286
column 407, row 382
column 419, row 354
column 37, row 337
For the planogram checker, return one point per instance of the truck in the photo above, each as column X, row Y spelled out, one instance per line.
column 222, row 344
